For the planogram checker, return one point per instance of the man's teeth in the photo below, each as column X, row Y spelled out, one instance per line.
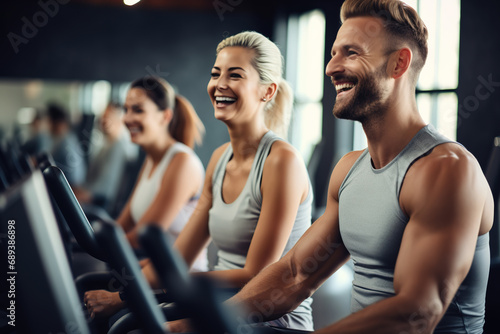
column 344, row 86
column 224, row 99
column 134, row 130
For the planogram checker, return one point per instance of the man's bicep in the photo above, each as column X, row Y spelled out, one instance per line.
column 431, row 265
column 439, row 242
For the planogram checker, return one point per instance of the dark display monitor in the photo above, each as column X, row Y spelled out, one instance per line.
column 40, row 296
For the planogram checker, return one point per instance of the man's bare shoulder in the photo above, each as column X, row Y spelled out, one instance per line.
column 449, row 174
column 346, row 162
column 449, row 158
column 351, row 157
column 340, row 172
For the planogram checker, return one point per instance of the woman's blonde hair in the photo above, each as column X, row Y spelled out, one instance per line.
column 268, row 62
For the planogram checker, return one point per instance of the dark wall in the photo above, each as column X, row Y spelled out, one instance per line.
column 479, row 90
column 120, row 44
column 479, row 94
column 337, row 134
column 479, row 77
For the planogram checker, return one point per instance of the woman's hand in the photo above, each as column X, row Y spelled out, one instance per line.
column 102, row 303
column 179, row 326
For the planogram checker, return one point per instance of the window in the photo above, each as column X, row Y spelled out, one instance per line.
column 305, row 73
column 436, row 89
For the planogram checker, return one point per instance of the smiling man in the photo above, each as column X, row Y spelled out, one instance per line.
column 413, row 210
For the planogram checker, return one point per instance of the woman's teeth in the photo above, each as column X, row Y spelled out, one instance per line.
column 224, row 99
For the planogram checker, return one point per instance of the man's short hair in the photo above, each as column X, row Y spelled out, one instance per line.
column 57, row 114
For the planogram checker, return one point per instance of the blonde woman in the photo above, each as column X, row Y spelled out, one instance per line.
column 256, row 200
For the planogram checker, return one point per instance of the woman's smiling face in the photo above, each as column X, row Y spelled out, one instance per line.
column 142, row 117
column 235, row 88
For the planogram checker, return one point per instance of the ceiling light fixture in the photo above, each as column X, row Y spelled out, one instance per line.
column 130, row 2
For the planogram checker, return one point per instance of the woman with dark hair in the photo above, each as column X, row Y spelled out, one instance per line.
column 166, row 127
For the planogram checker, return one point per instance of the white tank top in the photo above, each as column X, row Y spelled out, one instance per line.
column 148, row 187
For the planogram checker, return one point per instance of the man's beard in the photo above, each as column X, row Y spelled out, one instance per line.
column 366, row 102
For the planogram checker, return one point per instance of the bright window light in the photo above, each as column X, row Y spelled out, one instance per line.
column 310, row 118
column 305, row 72
column 447, row 105
column 311, row 52
column 440, row 72
column 359, row 142
column 26, row 115
column 442, row 18
column 130, row 2
column 411, row 3
column 100, row 96
column 440, row 109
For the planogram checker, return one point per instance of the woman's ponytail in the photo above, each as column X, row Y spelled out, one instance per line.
column 185, row 126
column 278, row 111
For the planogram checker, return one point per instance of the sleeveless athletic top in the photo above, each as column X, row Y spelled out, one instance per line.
column 372, row 225
column 232, row 225
column 148, row 187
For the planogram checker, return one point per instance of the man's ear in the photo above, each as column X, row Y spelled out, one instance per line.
column 401, row 61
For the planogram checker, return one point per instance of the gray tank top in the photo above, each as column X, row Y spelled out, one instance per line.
column 372, row 224
column 232, row 225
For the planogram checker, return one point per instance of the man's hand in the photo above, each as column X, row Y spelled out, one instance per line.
column 179, row 326
column 102, row 303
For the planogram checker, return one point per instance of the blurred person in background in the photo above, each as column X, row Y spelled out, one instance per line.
column 65, row 147
column 39, row 140
column 108, row 160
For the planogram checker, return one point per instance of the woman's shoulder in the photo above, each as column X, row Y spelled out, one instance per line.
column 183, row 157
column 285, row 169
column 216, row 155
column 219, row 150
column 282, row 152
column 284, row 159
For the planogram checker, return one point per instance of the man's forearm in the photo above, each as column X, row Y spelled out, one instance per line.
column 271, row 294
column 282, row 286
column 395, row 315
